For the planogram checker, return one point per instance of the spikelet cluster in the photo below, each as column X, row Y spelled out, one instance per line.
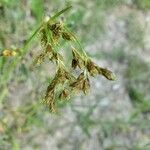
column 66, row 82
column 64, row 77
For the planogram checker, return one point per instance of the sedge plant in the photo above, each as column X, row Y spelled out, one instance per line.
column 66, row 81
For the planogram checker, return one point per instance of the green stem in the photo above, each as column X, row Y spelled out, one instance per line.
column 59, row 13
column 31, row 37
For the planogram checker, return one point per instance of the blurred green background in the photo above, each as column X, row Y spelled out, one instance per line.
column 115, row 115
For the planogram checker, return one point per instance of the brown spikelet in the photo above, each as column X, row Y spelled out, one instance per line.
column 50, row 99
column 92, row 68
column 56, row 26
column 86, row 86
column 66, row 36
column 108, row 74
column 43, row 36
column 56, row 30
column 77, row 60
column 74, row 63
column 62, row 76
column 65, row 94
column 78, row 84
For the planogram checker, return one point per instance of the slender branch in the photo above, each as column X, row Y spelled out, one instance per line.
column 31, row 37
column 76, row 39
column 59, row 13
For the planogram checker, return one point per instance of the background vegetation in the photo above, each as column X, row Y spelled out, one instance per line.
column 115, row 115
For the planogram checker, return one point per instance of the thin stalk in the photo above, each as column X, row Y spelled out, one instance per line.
column 59, row 13
column 76, row 39
column 30, row 38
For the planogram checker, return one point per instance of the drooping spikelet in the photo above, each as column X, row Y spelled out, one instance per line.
column 65, row 83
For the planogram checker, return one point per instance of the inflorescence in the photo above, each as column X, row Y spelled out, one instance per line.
column 66, row 82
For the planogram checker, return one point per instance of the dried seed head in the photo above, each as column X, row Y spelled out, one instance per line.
column 56, row 36
column 86, row 86
column 66, row 36
column 9, row 53
column 56, row 30
column 77, row 60
column 85, row 83
column 108, row 74
column 50, row 99
column 43, row 36
column 62, row 76
column 51, row 104
column 92, row 68
column 78, row 84
column 82, row 83
column 99, row 70
column 56, row 26
column 51, row 87
column 95, row 70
